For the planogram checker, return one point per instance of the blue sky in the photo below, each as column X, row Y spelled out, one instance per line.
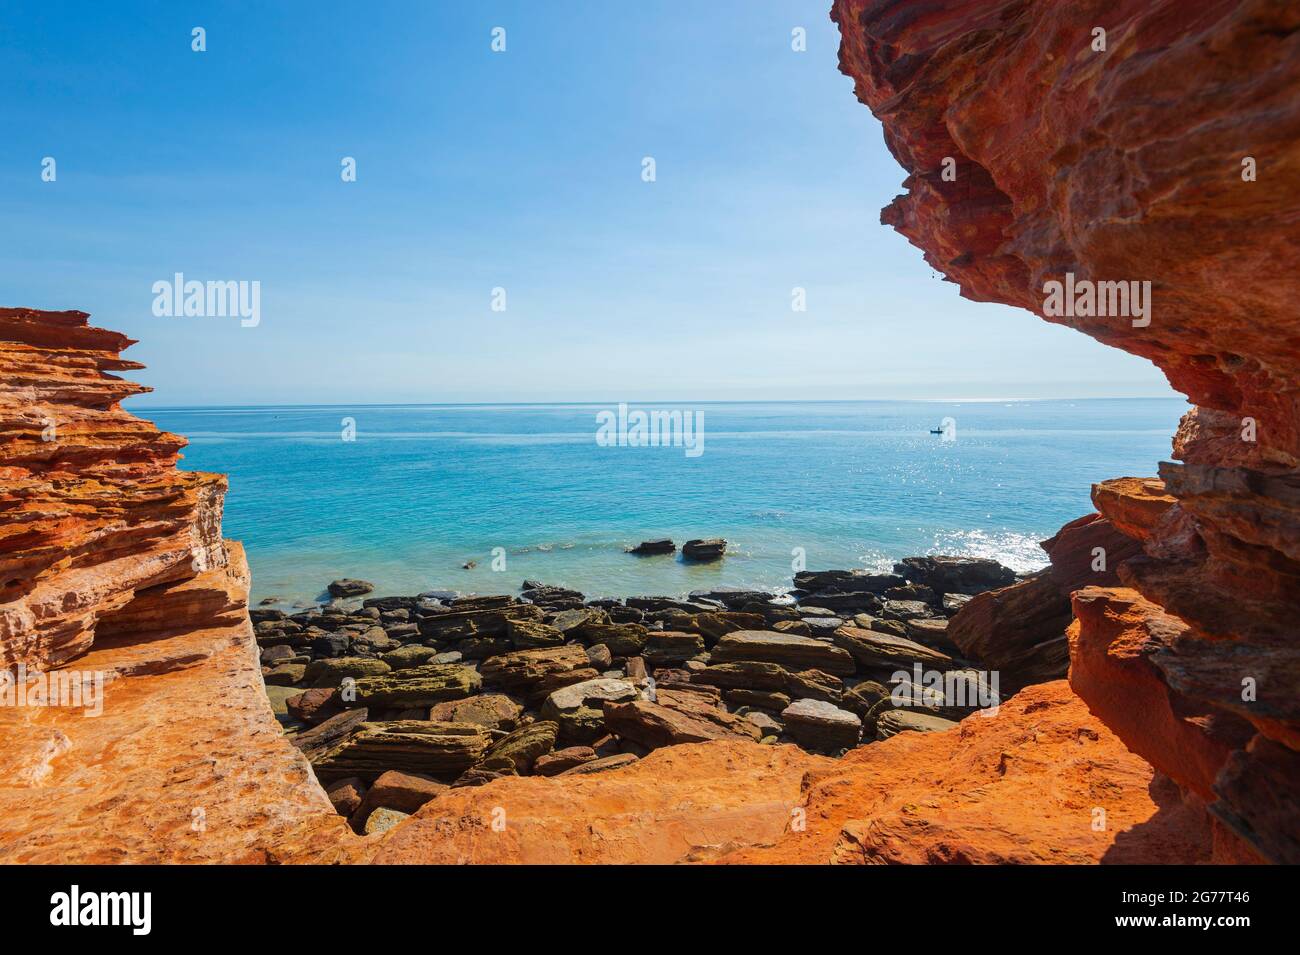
column 478, row 170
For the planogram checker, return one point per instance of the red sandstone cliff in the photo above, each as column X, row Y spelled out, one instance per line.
column 112, row 566
column 1127, row 164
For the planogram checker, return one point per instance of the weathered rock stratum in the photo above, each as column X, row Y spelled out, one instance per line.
column 113, row 570
column 1166, row 151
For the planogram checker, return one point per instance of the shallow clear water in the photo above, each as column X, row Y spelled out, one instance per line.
column 423, row 489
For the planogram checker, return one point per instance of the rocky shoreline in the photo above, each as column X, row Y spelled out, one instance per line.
column 394, row 699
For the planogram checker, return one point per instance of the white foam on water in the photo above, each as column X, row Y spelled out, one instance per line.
column 1018, row 551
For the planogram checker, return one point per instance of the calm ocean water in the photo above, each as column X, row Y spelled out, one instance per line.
column 424, row 488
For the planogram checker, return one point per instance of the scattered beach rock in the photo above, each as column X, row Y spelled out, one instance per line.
column 578, row 709
column 314, row 706
column 552, row 764
column 522, row 747
column 348, row 587
column 382, row 820
column 286, row 674
column 409, row 656
column 646, row 548
column 461, row 690
column 401, row 792
column 709, row 548
column 874, row 650
column 440, row 750
column 676, row 716
column 421, row 686
column 821, row 726
column 345, row 795
column 535, row 674
column 788, row 649
column 491, row 710
column 903, row 720
column 602, row 765
column 333, row 671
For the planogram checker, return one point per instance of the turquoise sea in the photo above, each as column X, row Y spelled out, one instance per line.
column 422, row 489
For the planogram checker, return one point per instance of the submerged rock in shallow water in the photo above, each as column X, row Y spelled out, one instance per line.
column 662, row 546
column 348, row 587
column 709, row 548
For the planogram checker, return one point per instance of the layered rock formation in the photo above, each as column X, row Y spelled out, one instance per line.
column 1166, row 151
column 113, row 573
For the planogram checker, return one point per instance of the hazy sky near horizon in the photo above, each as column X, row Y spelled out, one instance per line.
column 476, row 170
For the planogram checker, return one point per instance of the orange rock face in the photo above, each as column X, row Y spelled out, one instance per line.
column 92, row 508
column 1043, row 781
column 114, row 575
column 685, row 803
column 1168, row 153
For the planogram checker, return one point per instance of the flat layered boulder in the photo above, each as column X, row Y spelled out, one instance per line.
column 477, row 619
column 962, row 575
column 348, row 587
column 403, row 792
column 874, row 650
column 440, row 750
column 787, row 649
column 531, row 634
column 715, row 626
column 491, row 710
column 604, row 764
column 622, row 639
column 535, row 674
column 578, row 709
column 519, row 750
column 332, row 672
column 647, row 548
column 418, row 686
column 1017, row 630
column 846, row 581
column 319, row 740
column 666, row 647
column 552, row 764
column 904, row 720
column 733, row 598
column 676, row 716
column 821, row 727
column 405, row 658
column 744, row 675
column 707, row 548
column 569, row 620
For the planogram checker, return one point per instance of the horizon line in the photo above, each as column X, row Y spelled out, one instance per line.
column 649, row 401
